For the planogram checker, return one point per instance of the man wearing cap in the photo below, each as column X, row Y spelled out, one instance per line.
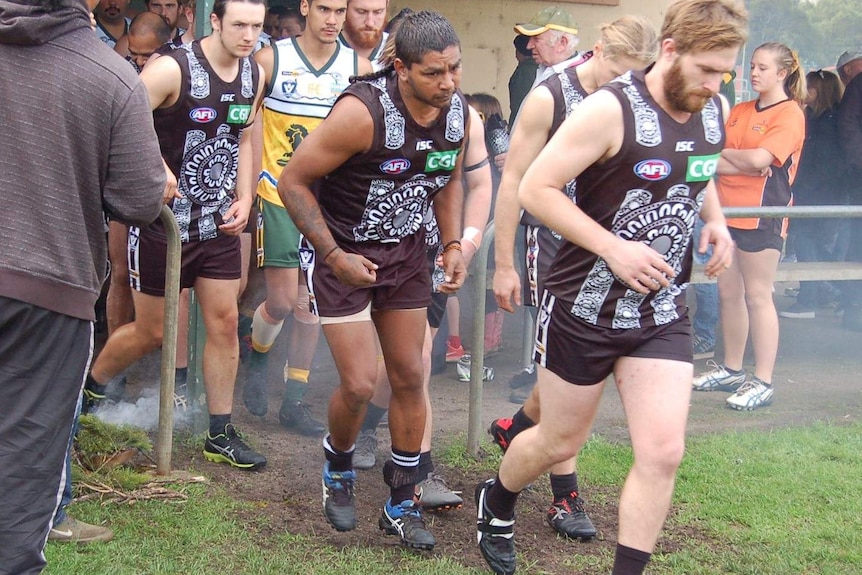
column 849, row 67
column 553, row 35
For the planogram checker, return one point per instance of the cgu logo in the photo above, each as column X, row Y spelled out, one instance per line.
column 203, row 115
column 441, row 161
column 701, row 168
column 396, row 166
column 652, row 170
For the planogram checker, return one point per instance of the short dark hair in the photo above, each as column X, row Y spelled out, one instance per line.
column 220, row 6
column 150, row 22
column 422, row 32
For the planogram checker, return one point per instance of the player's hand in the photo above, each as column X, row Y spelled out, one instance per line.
column 722, row 248
column 500, row 160
column 454, row 270
column 171, row 189
column 236, row 217
column 639, row 266
column 507, row 288
column 352, row 269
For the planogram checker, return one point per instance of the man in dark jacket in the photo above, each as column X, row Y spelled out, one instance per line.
column 78, row 143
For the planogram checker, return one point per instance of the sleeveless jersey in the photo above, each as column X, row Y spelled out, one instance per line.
column 105, row 36
column 383, row 195
column 567, row 92
column 651, row 192
column 297, row 99
column 374, row 53
column 199, row 136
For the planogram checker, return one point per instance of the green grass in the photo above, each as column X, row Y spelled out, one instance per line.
column 760, row 503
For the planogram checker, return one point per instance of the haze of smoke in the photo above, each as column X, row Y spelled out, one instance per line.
column 143, row 413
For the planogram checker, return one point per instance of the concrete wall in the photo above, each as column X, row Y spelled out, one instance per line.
column 485, row 29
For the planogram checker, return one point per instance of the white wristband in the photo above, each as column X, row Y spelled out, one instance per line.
column 473, row 235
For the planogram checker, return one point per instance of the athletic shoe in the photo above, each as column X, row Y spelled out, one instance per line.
column 798, row 311
column 520, row 395
column 228, row 447
column 254, row 390
column 297, row 417
column 568, row 518
column 718, row 379
column 496, row 537
column 453, row 354
column 91, row 401
column 702, row 348
column 527, row 376
column 339, row 506
column 751, row 395
column 405, row 520
column 499, row 431
column 365, row 451
column 465, row 365
column 434, row 495
column 70, row 530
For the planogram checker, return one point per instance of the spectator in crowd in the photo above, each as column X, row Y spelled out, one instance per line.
column 523, row 77
column 553, row 40
column 111, row 20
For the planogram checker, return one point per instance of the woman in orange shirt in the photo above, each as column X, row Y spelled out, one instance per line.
column 757, row 167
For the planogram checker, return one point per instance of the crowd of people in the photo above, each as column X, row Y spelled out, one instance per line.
column 606, row 185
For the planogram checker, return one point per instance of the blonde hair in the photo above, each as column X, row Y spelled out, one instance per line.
column 629, row 37
column 705, row 25
column 787, row 59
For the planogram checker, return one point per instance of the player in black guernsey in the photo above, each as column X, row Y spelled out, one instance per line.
column 407, row 127
column 643, row 149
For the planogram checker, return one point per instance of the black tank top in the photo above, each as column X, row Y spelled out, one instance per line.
column 650, row 192
column 199, row 138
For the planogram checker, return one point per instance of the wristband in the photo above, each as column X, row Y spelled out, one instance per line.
column 329, row 253
column 453, row 245
column 473, row 235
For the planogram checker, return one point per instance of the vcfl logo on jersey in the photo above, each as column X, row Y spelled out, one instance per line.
column 684, row 146
column 228, row 97
column 424, row 145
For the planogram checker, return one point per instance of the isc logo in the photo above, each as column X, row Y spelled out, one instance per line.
column 396, row 166
column 652, row 170
column 203, row 115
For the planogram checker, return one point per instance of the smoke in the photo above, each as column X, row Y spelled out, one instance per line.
column 144, row 412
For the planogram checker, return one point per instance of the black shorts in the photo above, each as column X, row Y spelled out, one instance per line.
column 754, row 241
column 585, row 354
column 219, row 258
column 541, row 247
column 437, row 309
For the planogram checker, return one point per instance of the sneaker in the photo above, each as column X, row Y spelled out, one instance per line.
column 91, row 401
column 702, row 348
column 496, row 537
column 499, row 431
column 405, row 520
column 798, row 311
column 527, row 376
column 453, row 354
column 365, row 451
column 751, row 395
column 568, row 518
column 520, row 395
column 434, row 495
column 228, row 447
column 70, row 530
column 297, row 417
column 254, row 390
column 339, row 506
column 718, row 379
column 465, row 365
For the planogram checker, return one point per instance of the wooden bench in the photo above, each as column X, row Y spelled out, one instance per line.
column 800, row 271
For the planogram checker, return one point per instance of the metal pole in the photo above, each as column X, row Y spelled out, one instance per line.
column 839, row 211
column 164, row 443
column 477, row 364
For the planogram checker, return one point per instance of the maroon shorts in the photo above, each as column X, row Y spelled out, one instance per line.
column 403, row 281
column 219, row 259
column 585, row 354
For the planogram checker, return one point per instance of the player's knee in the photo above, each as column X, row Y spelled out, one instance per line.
column 358, row 392
column 303, row 315
column 663, row 457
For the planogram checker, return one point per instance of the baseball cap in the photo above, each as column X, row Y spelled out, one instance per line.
column 550, row 18
column 847, row 57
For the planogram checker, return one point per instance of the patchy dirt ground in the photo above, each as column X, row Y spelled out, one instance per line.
column 816, row 380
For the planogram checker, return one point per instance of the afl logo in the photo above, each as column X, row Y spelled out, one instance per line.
column 396, row 166
column 652, row 170
column 203, row 115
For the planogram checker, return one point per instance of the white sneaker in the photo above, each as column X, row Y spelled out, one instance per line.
column 465, row 365
column 751, row 395
column 718, row 379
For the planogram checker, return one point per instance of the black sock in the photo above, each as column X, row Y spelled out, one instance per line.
column 402, row 475
column 373, row 416
column 520, row 422
column 630, row 561
column 501, row 502
column 338, row 460
column 426, row 465
column 564, row 485
column 218, row 423
column 94, row 386
column 733, row 371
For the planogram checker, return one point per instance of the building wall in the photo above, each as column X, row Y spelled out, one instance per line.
column 486, row 31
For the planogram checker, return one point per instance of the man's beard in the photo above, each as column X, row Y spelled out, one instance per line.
column 362, row 39
column 691, row 101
